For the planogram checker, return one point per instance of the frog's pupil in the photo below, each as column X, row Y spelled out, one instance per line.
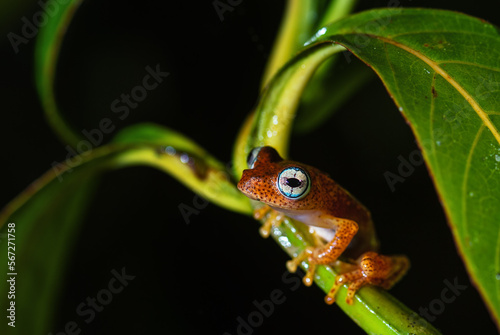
column 293, row 182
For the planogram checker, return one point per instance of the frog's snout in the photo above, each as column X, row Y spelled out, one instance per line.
column 246, row 184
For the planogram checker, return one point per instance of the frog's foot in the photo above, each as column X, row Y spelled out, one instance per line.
column 295, row 262
column 274, row 218
column 373, row 269
column 328, row 253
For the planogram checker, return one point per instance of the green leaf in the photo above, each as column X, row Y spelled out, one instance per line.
column 442, row 70
column 47, row 49
column 46, row 226
column 44, row 231
column 187, row 162
column 145, row 145
column 47, row 214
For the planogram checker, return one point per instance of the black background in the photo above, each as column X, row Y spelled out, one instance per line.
column 200, row 277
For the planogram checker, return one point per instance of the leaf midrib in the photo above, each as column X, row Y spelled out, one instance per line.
column 434, row 65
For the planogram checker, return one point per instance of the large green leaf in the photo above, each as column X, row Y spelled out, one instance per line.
column 443, row 71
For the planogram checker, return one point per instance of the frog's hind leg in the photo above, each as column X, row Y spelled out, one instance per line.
column 371, row 269
column 374, row 269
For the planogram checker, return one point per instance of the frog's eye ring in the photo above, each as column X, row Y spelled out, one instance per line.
column 294, row 183
column 252, row 157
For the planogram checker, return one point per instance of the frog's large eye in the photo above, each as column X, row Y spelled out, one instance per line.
column 252, row 157
column 294, row 183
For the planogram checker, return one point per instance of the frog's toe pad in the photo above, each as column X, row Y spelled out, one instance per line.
column 264, row 231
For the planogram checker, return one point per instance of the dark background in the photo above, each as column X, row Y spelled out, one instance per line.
column 200, row 277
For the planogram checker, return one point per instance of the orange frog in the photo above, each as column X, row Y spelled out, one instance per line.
column 304, row 193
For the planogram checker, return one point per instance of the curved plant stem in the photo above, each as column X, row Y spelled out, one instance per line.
column 295, row 29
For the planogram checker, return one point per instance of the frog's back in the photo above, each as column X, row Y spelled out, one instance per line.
column 341, row 204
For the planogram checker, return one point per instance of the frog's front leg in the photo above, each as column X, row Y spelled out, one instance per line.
column 345, row 231
column 274, row 218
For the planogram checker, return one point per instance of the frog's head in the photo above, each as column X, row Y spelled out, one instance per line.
column 274, row 181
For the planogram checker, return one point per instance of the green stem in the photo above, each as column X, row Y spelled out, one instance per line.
column 294, row 31
column 376, row 311
column 336, row 10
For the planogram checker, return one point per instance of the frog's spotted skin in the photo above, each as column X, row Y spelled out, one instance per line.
column 308, row 195
column 324, row 196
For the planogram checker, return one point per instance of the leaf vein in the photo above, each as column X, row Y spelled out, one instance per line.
column 469, row 63
column 466, row 177
column 446, row 76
